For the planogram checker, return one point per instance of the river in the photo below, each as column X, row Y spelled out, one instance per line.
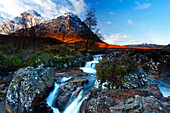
column 75, row 105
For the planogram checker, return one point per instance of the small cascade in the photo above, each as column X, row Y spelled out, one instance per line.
column 73, row 95
column 90, row 66
column 51, row 97
column 97, row 57
column 53, row 94
column 74, row 104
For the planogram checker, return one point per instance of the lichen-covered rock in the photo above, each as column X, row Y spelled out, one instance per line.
column 137, row 100
column 28, row 90
column 99, row 105
column 135, row 79
column 132, row 80
column 140, row 104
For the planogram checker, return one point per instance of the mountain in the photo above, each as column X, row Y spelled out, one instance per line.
column 167, row 47
column 26, row 19
column 66, row 28
column 146, row 45
column 29, row 18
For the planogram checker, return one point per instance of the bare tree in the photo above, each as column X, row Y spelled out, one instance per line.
column 91, row 22
column 97, row 32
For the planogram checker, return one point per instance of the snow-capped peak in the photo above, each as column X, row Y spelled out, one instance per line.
column 69, row 14
column 31, row 13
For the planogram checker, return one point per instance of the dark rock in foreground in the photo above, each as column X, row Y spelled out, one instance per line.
column 125, row 100
column 105, row 98
column 28, row 90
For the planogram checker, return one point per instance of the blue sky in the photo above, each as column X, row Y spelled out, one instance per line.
column 120, row 21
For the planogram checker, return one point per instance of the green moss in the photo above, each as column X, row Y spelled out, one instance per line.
column 114, row 70
column 18, row 61
column 1, row 52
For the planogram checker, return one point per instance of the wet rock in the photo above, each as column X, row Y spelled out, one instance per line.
column 83, row 108
column 2, row 98
column 77, row 73
column 154, row 90
column 28, row 90
column 68, row 92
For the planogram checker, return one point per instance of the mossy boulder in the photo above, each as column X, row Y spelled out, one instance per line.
column 120, row 73
column 28, row 90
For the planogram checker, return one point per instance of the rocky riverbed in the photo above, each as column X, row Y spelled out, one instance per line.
column 106, row 99
column 30, row 90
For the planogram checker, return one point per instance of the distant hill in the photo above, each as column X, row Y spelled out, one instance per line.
column 167, row 47
column 152, row 46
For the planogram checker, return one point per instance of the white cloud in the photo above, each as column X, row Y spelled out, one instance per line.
column 112, row 13
column 131, row 42
column 79, row 6
column 142, row 6
column 47, row 8
column 108, row 22
column 130, row 22
column 114, row 38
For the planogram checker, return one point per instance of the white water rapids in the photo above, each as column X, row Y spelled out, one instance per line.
column 74, row 107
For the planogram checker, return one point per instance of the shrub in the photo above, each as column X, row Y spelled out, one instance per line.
column 113, row 70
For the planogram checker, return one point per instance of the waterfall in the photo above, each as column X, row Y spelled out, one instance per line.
column 51, row 97
column 75, row 105
column 91, row 65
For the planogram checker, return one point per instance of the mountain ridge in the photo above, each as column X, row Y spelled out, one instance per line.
column 147, row 45
column 67, row 27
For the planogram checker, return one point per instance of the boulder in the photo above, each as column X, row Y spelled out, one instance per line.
column 140, row 104
column 99, row 105
column 135, row 79
column 28, row 90
column 125, row 100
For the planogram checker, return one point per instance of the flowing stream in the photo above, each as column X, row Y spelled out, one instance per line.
column 75, row 104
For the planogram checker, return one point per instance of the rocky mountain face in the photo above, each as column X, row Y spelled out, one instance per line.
column 155, row 46
column 67, row 27
column 25, row 20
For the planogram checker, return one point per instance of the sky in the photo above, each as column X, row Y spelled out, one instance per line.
column 121, row 22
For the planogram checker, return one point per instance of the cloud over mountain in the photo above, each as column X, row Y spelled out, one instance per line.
column 47, row 8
